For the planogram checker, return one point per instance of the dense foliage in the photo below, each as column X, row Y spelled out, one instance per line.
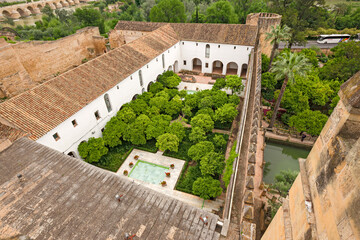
column 157, row 120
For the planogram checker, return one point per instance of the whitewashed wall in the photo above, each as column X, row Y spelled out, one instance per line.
column 123, row 92
column 226, row 53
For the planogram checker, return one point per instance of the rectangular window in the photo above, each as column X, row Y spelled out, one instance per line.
column 56, row 137
column 206, row 65
column 182, row 43
column 197, row 44
column 234, row 47
column 218, row 46
column 97, row 115
column 74, row 123
column 184, row 62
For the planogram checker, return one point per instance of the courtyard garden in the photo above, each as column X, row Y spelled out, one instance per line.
column 180, row 125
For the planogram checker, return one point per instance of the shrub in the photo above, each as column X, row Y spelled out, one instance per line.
column 168, row 141
column 199, row 150
column 207, row 187
column 92, row 150
column 229, row 165
column 203, row 121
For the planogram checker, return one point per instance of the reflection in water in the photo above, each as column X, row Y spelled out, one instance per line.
column 30, row 20
column 281, row 157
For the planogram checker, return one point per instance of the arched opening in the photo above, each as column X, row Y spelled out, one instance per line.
column 107, row 102
column 207, row 51
column 6, row 14
column 47, row 4
column 231, row 68
column 31, row 9
column 197, row 65
column 176, row 66
column 72, row 154
column 217, row 67
column 39, row 6
column 157, row 78
column 135, row 97
column 244, row 70
column 170, row 68
column 140, row 78
column 21, row 12
column 149, row 85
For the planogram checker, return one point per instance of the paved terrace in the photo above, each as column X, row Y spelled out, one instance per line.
column 60, row 197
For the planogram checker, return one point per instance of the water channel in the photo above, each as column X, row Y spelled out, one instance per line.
column 282, row 156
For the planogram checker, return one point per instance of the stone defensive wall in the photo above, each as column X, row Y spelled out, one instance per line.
column 324, row 201
column 27, row 64
column 26, row 9
column 264, row 22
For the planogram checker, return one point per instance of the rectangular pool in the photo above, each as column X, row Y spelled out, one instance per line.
column 148, row 172
column 281, row 156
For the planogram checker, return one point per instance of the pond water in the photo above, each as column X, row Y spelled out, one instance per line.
column 148, row 172
column 282, row 156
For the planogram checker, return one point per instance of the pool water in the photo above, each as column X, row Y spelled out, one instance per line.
column 282, row 157
column 190, row 91
column 148, row 172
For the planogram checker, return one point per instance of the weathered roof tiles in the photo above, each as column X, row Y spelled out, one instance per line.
column 61, row 197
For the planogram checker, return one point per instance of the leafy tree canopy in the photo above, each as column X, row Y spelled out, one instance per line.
column 344, row 64
column 226, row 113
column 172, row 11
column 157, row 126
column 203, row 121
column 219, row 84
column 309, row 121
column 293, row 100
column 126, row 114
column 212, row 164
column 158, row 102
column 113, row 132
column 219, row 98
column 156, row 87
column 197, row 135
column 168, row 141
column 139, row 106
column 221, row 12
column 234, row 83
column 174, row 106
column 199, row 150
column 90, row 17
column 177, row 128
column 92, row 150
column 207, row 187
column 219, row 141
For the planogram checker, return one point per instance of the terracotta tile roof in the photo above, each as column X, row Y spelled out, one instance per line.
column 60, row 197
column 10, row 133
column 42, row 108
column 239, row 34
